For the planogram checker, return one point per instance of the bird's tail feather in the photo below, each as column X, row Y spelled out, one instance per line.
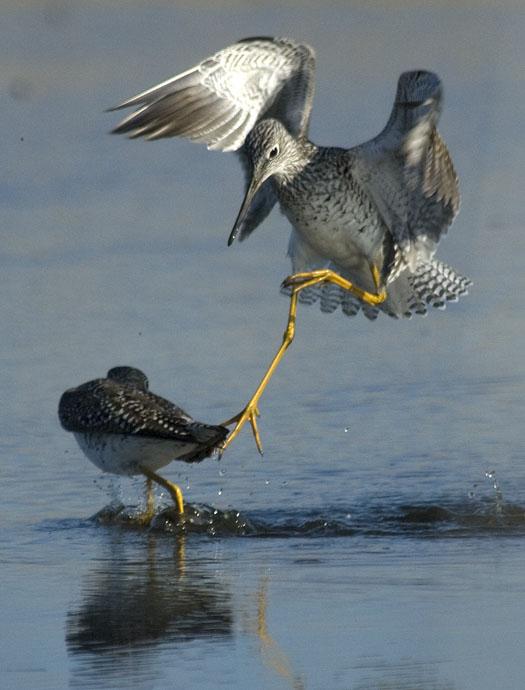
column 432, row 283
column 435, row 283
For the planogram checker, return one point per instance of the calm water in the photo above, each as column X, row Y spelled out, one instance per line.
column 379, row 542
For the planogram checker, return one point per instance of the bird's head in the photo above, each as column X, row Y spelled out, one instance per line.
column 271, row 150
column 130, row 376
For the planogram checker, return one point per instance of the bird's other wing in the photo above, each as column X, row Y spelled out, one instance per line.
column 218, row 101
column 408, row 171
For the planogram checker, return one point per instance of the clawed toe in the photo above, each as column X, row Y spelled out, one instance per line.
column 290, row 281
column 250, row 413
column 302, row 279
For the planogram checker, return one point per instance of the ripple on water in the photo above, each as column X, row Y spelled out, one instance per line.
column 423, row 520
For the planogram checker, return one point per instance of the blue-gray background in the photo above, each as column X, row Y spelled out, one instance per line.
column 114, row 252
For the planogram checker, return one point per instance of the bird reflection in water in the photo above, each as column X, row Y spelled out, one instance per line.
column 135, row 604
column 271, row 652
column 147, row 596
column 133, row 601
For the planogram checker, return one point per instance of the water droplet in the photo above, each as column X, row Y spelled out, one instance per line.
column 219, row 492
column 221, row 472
column 267, row 482
column 347, row 429
column 498, row 494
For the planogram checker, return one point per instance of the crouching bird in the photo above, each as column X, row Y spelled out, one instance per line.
column 124, row 428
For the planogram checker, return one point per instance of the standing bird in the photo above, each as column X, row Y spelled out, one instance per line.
column 125, row 429
column 366, row 221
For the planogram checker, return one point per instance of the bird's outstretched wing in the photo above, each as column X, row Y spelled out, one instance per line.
column 408, row 171
column 218, row 101
column 102, row 406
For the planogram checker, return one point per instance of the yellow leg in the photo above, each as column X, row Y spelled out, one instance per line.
column 325, row 275
column 146, row 516
column 298, row 282
column 150, row 500
column 174, row 490
column 376, row 275
column 251, row 411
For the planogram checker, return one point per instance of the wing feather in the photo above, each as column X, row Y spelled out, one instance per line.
column 104, row 407
column 251, row 79
column 408, row 171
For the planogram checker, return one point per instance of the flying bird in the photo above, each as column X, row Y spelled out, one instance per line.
column 366, row 221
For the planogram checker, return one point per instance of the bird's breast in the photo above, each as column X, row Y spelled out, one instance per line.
column 332, row 214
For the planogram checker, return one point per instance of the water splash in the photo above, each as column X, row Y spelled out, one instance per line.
column 447, row 519
column 498, row 494
column 111, row 485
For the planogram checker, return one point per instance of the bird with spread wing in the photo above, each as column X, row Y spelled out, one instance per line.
column 366, row 221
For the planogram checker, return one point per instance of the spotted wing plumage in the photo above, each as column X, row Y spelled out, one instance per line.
column 218, row 101
column 407, row 169
column 102, row 406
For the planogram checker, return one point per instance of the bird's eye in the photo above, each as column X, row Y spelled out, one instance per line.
column 273, row 152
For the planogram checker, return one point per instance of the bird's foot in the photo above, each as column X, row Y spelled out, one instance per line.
column 249, row 414
column 302, row 280
column 299, row 281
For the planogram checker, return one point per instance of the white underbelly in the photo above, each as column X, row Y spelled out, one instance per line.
column 335, row 239
column 123, row 454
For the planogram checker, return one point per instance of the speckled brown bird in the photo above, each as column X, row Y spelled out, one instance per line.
column 124, row 428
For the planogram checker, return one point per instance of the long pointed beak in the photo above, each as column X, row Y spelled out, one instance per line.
column 258, row 178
